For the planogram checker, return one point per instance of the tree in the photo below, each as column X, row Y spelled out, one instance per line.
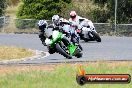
column 41, row 9
column 2, row 6
column 12, row 2
column 124, row 12
column 104, row 15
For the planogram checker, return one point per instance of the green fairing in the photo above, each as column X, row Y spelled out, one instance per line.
column 58, row 39
column 72, row 49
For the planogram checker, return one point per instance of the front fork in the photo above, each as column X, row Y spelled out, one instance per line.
column 70, row 47
column 65, row 41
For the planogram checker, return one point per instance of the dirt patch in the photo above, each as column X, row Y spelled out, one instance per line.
column 11, row 52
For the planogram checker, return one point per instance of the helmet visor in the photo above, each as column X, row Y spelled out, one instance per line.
column 56, row 22
column 73, row 17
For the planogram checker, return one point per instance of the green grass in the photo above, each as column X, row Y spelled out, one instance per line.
column 64, row 76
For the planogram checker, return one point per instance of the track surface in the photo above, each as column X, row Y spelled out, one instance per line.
column 111, row 48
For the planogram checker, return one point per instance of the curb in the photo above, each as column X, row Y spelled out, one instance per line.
column 38, row 55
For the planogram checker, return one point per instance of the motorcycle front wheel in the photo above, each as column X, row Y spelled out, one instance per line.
column 78, row 53
column 96, row 36
column 74, row 40
column 61, row 51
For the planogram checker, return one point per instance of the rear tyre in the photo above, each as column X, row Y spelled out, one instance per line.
column 86, row 40
column 51, row 50
column 97, row 37
column 62, row 52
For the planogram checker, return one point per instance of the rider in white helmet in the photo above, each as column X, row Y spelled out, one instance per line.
column 56, row 20
column 42, row 26
column 59, row 21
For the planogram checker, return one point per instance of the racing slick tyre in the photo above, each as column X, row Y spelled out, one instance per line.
column 97, row 37
column 62, row 52
column 74, row 40
column 78, row 54
column 51, row 50
column 80, row 47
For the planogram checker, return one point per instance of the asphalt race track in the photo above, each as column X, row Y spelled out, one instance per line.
column 111, row 48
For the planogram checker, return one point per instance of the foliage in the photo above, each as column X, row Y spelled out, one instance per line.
column 12, row 2
column 124, row 11
column 95, row 10
column 100, row 15
column 2, row 6
column 124, row 14
column 41, row 9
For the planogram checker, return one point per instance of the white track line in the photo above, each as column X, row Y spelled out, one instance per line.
column 38, row 55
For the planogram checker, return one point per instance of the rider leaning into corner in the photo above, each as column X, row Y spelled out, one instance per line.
column 65, row 25
column 58, row 23
column 45, row 30
column 82, row 27
column 76, row 20
column 42, row 26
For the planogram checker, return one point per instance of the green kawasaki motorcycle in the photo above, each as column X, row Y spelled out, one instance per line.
column 58, row 42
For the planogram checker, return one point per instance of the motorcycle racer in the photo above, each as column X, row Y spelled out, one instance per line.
column 84, row 27
column 65, row 26
column 42, row 26
column 80, row 21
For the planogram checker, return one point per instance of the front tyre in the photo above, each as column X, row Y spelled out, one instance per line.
column 97, row 37
column 78, row 54
column 74, row 40
column 80, row 47
column 62, row 52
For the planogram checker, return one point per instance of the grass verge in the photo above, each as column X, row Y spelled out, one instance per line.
column 60, row 76
column 8, row 53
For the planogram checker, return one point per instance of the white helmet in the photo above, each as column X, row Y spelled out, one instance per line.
column 56, row 19
column 42, row 22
